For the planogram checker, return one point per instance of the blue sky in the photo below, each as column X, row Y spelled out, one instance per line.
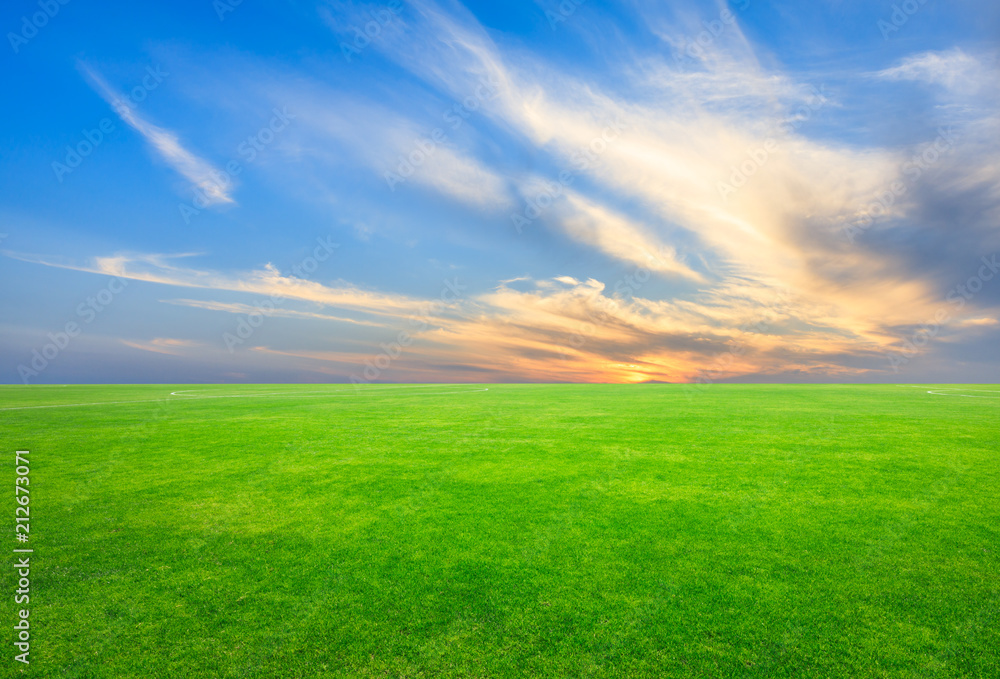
column 537, row 191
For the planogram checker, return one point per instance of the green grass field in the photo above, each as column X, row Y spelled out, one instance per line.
column 519, row 531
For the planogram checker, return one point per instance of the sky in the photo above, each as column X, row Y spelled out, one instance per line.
column 536, row 191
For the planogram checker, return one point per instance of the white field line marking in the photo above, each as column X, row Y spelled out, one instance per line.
column 203, row 398
column 940, row 392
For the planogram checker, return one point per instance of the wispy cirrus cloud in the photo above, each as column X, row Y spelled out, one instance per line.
column 783, row 213
column 202, row 175
column 954, row 69
column 242, row 308
column 265, row 281
column 165, row 345
column 402, row 149
column 721, row 119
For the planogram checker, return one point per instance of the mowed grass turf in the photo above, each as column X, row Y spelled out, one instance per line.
column 527, row 530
